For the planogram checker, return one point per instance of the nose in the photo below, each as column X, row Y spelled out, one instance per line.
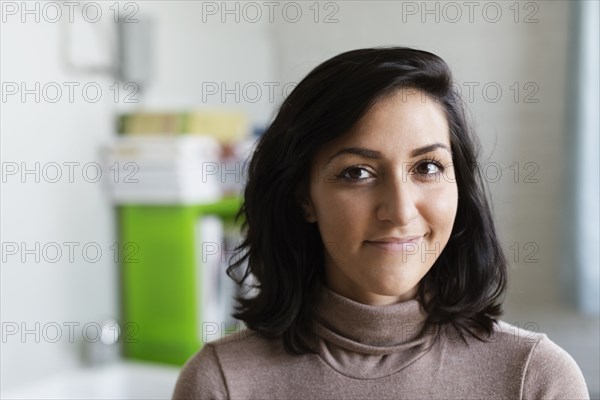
column 397, row 201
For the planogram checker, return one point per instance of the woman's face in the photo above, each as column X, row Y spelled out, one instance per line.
column 390, row 178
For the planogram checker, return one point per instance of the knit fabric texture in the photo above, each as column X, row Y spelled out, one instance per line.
column 376, row 352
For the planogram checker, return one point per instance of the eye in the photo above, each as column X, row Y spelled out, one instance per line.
column 430, row 167
column 354, row 173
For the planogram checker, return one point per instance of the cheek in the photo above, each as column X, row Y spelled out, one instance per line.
column 340, row 217
column 440, row 207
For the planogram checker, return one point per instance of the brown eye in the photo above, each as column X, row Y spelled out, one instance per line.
column 430, row 167
column 354, row 174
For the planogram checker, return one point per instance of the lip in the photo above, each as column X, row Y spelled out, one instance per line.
column 391, row 239
column 395, row 245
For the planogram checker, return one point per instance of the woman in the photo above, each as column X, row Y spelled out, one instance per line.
column 379, row 272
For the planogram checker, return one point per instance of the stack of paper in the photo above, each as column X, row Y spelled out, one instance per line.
column 163, row 169
column 216, row 290
column 227, row 126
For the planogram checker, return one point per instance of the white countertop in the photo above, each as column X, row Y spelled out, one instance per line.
column 121, row 380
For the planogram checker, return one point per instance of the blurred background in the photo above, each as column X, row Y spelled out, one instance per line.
column 112, row 112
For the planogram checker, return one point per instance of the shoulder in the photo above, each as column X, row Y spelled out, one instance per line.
column 547, row 370
column 201, row 377
column 522, row 339
column 551, row 372
column 506, row 340
column 524, row 359
column 207, row 373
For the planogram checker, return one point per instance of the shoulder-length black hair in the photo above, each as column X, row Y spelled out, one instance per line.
column 285, row 254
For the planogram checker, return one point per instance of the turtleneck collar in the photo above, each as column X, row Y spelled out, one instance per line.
column 367, row 341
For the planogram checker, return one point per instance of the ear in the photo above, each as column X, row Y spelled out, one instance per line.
column 309, row 211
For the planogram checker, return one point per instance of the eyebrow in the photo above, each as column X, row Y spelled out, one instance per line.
column 374, row 154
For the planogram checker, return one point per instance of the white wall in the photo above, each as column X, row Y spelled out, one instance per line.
column 187, row 53
column 44, row 292
column 195, row 50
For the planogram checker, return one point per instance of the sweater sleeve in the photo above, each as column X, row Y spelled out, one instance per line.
column 201, row 377
column 552, row 373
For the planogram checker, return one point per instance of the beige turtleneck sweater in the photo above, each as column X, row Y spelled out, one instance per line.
column 374, row 352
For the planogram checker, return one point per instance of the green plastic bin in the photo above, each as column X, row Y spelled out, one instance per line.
column 159, row 291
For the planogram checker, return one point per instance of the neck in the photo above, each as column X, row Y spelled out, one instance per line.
column 370, row 341
column 377, row 325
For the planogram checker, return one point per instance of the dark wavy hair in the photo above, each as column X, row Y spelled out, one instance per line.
column 285, row 254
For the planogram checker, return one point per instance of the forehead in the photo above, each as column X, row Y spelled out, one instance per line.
column 395, row 125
